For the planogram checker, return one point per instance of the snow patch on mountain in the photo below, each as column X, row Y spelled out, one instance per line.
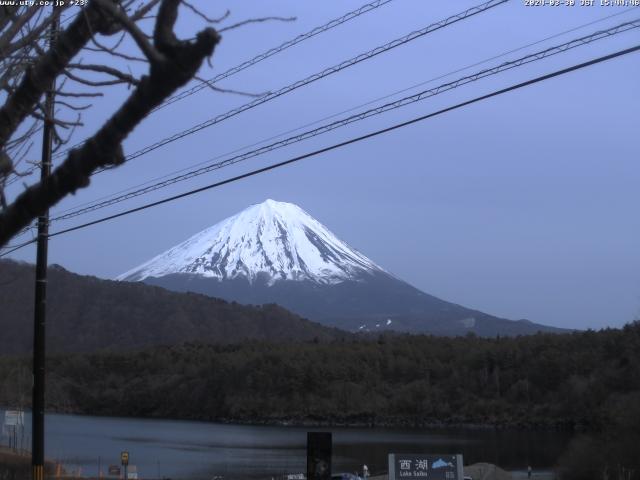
column 469, row 322
column 272, row 240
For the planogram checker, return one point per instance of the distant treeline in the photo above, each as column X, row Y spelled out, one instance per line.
column 588, row 380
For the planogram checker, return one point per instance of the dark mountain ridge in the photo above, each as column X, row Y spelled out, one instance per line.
column 373, row 302
column 86, row 313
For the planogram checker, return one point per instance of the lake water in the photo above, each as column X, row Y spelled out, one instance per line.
column 199, row 450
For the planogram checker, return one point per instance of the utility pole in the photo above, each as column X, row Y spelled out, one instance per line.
column 37, row 415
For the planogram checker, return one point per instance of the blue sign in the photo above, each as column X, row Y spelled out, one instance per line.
column 425, row 467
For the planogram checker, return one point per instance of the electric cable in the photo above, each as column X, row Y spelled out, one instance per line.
column 315, row 77
column 354, row 140
column 368, row 7
column 370, row 102
column 273, row 51
column 335, row 146
column 599, row 35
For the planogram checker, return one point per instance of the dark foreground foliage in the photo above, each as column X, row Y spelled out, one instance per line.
column 588, row 380
column 610, row 455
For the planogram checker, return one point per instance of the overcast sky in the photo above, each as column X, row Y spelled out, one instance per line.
column 522, row 206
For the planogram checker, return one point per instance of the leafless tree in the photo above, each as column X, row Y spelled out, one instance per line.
column 30, row 61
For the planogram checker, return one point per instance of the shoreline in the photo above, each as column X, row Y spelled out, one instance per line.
column 358, row 422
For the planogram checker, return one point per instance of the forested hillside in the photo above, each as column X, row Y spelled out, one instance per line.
column 588, row 380
column 87, row 314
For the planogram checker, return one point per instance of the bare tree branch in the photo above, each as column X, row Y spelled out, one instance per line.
column 176, row 63
column 256, row 20
column 203, row 16
column 64, row 141
column 55, row 121
column 114, row 72
column 37, row 79
column 129, row 25
column 6, row 16
column 33, row 35
column 60, row 93
column 73, row 107
column 215, row 88
column 16, row 26
column 105, row 49
column 142, row 11
column 98, row 83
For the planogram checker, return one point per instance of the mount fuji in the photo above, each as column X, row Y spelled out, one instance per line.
column 275, row 252
column 266, row 243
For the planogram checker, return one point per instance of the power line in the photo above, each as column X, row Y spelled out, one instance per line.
column 300, row 83
column 345, row 143
column 12, row 249
column 368, row 7
column 370, row 102
column 31, row 227
column 317, row 76
column 599, row 35
column 357, row 139
column 273, row 51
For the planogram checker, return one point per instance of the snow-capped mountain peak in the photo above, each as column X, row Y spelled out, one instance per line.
column 271, row 240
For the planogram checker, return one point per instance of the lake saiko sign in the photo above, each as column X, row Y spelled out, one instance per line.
column 425, row 467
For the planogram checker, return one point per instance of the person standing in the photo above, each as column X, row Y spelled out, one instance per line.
column 529, row 471
column 365, row 472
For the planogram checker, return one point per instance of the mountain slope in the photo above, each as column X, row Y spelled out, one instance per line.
column 276, row 252
column 86, row 314
column 271, row 241
column 378, row 303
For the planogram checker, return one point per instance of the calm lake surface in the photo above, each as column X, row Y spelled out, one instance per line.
column 199, row 450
